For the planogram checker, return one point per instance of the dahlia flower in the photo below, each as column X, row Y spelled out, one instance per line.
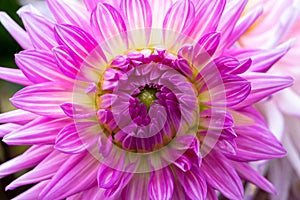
column 281, row 110
column 139, row 99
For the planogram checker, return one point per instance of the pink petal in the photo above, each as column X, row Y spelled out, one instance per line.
column 209, row 42
column 193, row 182
column 243, row 25
column 137, row 14
column 161, row 184
column 36, row 154
column 115, row 191
column 29, row 62
column 81, row 167
column 263, row 85
column 213, row 118
column 231, row 14
column 17, row 116
column 179, row 193
column 66, row 62
column 221, row 175
column 43, row 99
column 69, row 13
column 33, row 192
column 230, row 92
column 107, row 177
column 207, row 18
column 247, row 173
column 262, row 59
column 42, row 130
column 137, row 188
column 94, row 193
column 8, row 128
column 106, row 16
column 226, row 63
column 16, row 31
column 256, row 142
column 211, row 194
column 202, row 52
column 77, row 111
column 158, row 10
column 91, row 4
column 14, row 76
column 75, row 138
column 78, row 42
column 183, row 11
column 103, row 16
column 39, row 28
column 43, row 171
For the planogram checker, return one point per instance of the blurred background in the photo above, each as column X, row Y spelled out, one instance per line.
column 8, row 47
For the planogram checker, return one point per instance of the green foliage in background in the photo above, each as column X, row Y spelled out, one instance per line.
column 8, row 47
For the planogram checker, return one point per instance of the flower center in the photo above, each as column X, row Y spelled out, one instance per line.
column 147, row 96
column 144, row 99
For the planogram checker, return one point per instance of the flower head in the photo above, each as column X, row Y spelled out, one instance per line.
column 138, row 99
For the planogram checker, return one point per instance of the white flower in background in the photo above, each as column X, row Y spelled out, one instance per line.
column 279, row 22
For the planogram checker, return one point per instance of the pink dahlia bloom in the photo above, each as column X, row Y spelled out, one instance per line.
column 281, row 110
column 139, row 99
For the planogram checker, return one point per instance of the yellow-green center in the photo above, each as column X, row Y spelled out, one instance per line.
column 147, row 96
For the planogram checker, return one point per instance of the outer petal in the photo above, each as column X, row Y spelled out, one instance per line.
column 193, row 182
column 263, row 85
column 43, row 99
column 104, row 16
column 66, row 62
column 14, row 75
column 158, row 10
column 243, row 25
column 91, row 4
column 43, row 171
column 249, row 174
column 230, row 16
column 179, row 17
column 33, row 192
column 42, row 130
column 221, row 175
column 262, row 59
column 208, row 14
column 75, row 138
column 202, row 52
column 17, row 116
column 137, row 14
column 256, row 142
column 35, row 153
column 233, row 90
column 77, row 167
column 78, row 42
column 94, row 193
column 138, row 18
column 161, row 184
column 39, row 28
column 8, row 128
column 16, row 31
column 137, row 188
column 39, row 66
column 69, row 13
